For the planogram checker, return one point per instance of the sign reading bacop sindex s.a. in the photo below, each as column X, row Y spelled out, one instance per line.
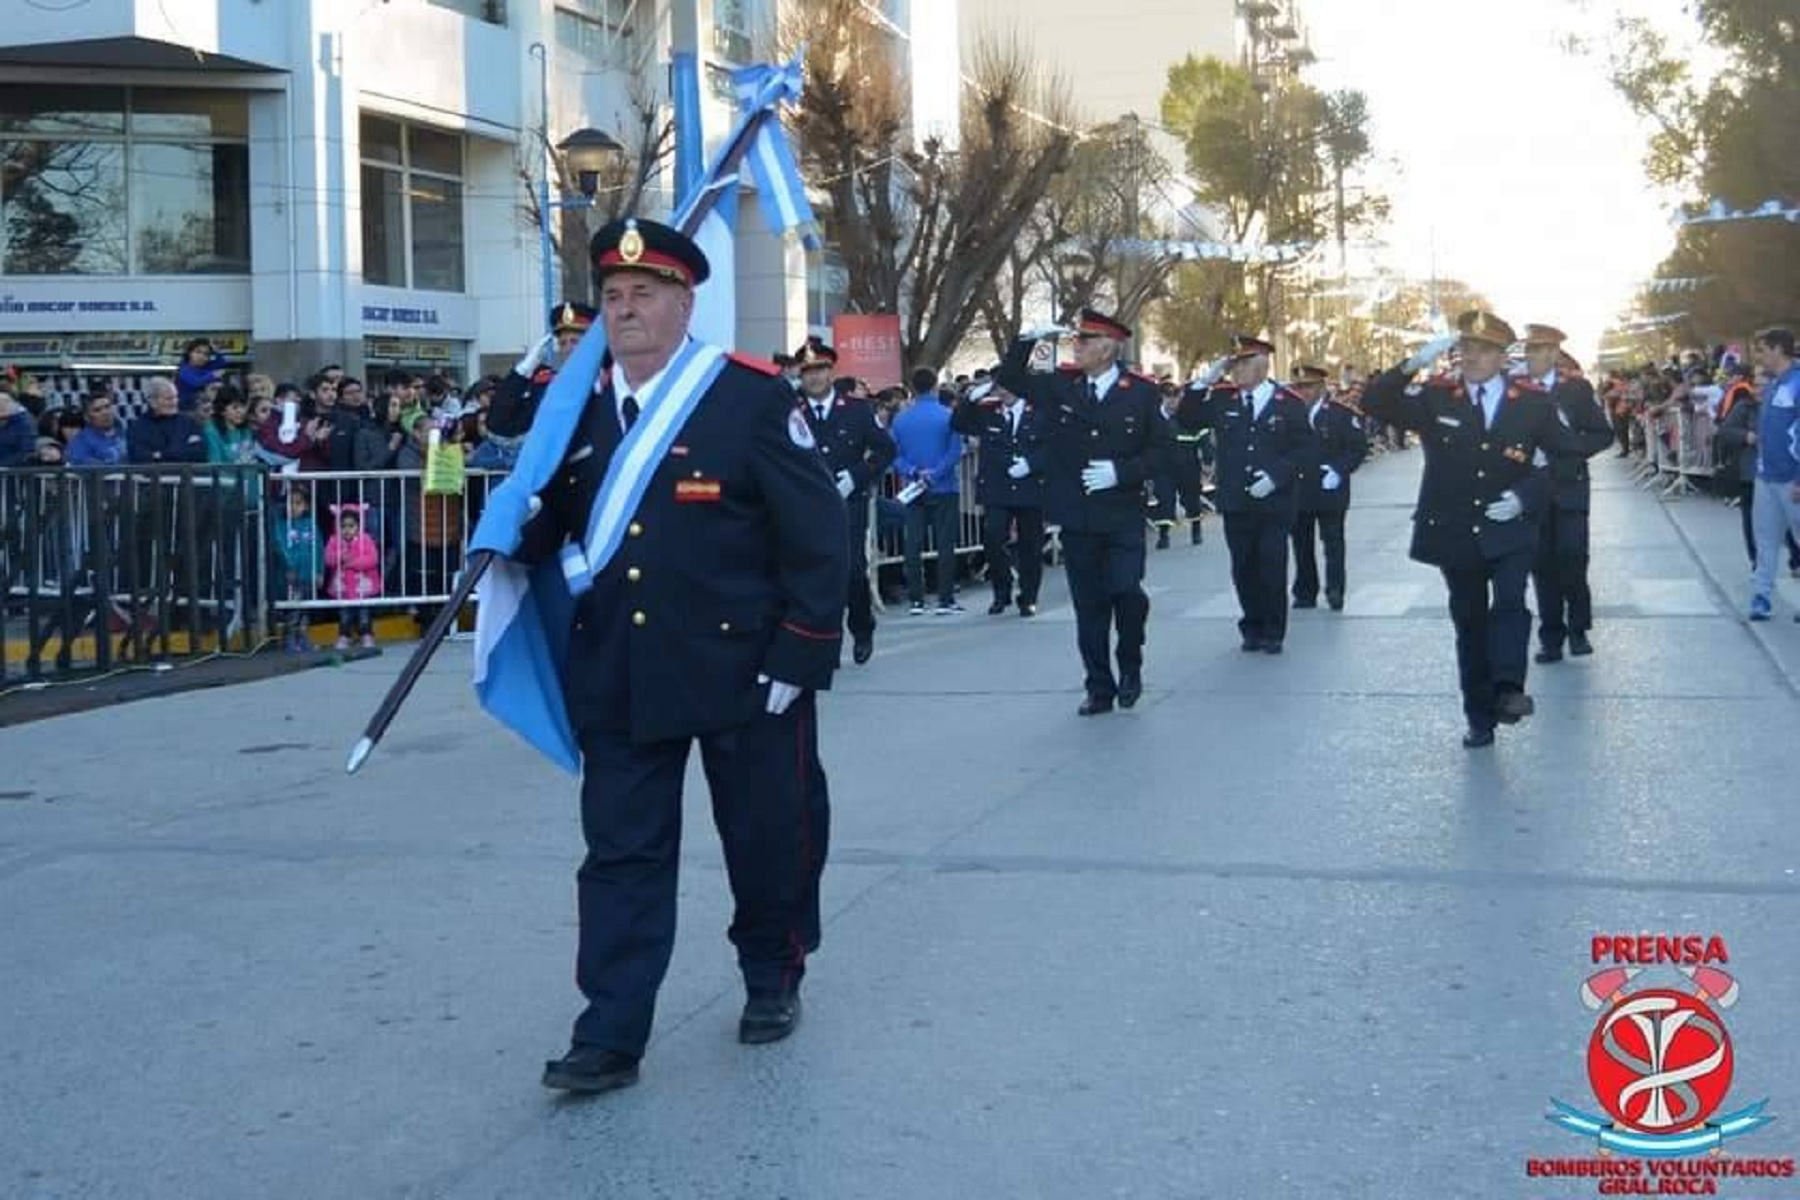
column 1661, row 1064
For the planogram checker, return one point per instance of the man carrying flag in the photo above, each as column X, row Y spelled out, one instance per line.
column 705, row 551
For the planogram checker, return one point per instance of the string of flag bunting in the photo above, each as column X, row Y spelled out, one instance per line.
column 1195, row 251
column 1718, row 212
column 1683, row 284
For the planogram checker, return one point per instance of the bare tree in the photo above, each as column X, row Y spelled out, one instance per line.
column 922, row 232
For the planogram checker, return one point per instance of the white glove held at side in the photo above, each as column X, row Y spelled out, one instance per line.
column 1332, row 481
column 1019, row 469
column 781, row 695
column 1507, row 508
column 1099, row 475
column 845, row 484
column 1262, row 486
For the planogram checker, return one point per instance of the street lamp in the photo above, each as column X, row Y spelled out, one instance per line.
column 589, row 152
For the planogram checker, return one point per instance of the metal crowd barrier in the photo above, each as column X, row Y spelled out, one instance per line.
column 102, row 567
column 1677, row 448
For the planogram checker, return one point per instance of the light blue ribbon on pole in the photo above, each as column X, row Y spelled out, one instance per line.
column 1708, row 1137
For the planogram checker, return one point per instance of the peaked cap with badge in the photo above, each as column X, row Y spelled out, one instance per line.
column 637, row 244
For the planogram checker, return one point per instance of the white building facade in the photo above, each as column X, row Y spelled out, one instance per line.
column 311, row 182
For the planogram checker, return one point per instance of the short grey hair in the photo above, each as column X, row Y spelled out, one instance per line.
column 159, row 385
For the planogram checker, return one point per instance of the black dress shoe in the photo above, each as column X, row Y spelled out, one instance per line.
column 1579, row 645
column 1335, row 600
column 1512, row 707
column 1130, row 688
column 1299, row 603
column 998, row 607
column 1271, row 647
column 769, row 1017
column 1547, row 655
column 1162, row 538
column 591, row 1069
column 1251, row 645
column 1027, row 608
column 862, row 651
column 1478, row 737
column 1196, row 537
column 1093, row 706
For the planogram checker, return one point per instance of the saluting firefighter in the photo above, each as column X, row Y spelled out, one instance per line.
column 857, row 452
column 1182, row 480
column 709, row 609
column 1325, row 490
column 1263, row 445
column 1103, row 437
column 1009, row 484
column 1560, row 574
column 517, row 396
column 1486, row 486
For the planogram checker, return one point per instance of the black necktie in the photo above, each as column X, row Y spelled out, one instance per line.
column 1012, row 424
column 819, row 411
column 1093, row 391
column 629, row 407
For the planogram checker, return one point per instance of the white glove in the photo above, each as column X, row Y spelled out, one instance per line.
column 1019, row 469
column 1099, row 475
column 290, row 421
column 781, row 695
column 1507, row 508
column 1214, row 372
column 1262, row 486
column 1332, row 481
column 534, row 357
column 845, row 484
column 1430, row 352
column 1042, row 332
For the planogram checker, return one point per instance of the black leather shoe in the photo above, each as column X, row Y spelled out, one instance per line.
column 1027, row 608
column 1162, row 538
column 1299, row 603
column 862, row 651
column 1335, row 600
column 1547, row 655
column 1093, row 706
column 1196, row 537
column 997, row 607
column 1251, row 645
column 590, row 1069
column 1476, row 738
column 1579, row 645
column 1130, row 688
column 769, row 1017
column 1512, row 707
column 1271, row 647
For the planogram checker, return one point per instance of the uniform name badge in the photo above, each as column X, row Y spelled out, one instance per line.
column 697, row 491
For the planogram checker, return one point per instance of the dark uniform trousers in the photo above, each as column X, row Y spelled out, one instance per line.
column 1105, row 571
column 1310, row 529
column 1258, row 540
column 862, row 603
column 772, row 811
column 1180, row 482
column 1469, row 465
column 1024, row 528
column 717, row 581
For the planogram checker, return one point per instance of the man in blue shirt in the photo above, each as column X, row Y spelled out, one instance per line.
column 99, row 444
column 1776, row 509
column 929, row 451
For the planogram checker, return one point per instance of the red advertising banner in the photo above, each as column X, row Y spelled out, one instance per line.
column 868, row 347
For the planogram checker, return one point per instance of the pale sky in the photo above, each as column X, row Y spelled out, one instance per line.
column 1519, row 161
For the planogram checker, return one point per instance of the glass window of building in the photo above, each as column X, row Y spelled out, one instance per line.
column 123, row 181
column 827, row 287
column 597, row 34
column 733, row 34
column 412, row 205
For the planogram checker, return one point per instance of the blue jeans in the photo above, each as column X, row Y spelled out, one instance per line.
column 939, row 511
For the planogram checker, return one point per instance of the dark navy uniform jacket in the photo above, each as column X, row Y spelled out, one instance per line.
column 174, row 439
column 1586, row 432
column 1280, row 443
column 736, row 563
column 1468, row 466
column 1342, row 447
column 516, row 401
column 994, row 488
column 850, row 440
column 1124, row 427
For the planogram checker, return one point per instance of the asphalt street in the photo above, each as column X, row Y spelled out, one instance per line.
column 1273, row 933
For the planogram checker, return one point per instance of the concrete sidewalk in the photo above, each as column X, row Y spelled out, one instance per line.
column 1273, row 933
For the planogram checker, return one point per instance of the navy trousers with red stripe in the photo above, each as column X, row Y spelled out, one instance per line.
column 772, row 811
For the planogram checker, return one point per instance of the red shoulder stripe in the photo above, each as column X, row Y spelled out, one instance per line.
column 760, row 365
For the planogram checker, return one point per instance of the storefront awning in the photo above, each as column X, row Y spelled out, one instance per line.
column 125, row 54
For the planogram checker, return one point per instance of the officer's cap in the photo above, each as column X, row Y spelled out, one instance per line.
column 1479, row 325
column 1544, row 335
column 1098, row 324
column 636, row 244
column 1311, row 374
column 570, row 317
column 1244, row 346
column 815, row 353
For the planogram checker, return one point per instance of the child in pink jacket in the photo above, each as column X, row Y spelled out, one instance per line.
column 354, row 564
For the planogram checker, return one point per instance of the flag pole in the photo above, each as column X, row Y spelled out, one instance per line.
column 699, row 206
